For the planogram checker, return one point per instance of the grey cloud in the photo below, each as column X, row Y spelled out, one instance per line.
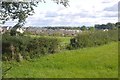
column 87, row 15
column 119, row 6
column 51, row 14
column 110, row 15
column 106, row 1
column 75, row 23
column 63, row 22
column 41, row 22
column 82, row 14
column 112, row 8
column 65, row 19
column 119, row 11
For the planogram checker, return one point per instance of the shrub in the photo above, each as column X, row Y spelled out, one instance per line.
column 91, row 39
column 12, row 45
column 40, row 46
column 119, row 34
column 16, row 47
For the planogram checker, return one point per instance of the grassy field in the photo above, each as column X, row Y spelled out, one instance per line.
column 63, row 40
column 95, row 62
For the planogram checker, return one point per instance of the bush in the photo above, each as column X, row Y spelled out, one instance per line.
column 13, row 45
column 91, row 39
column 40, row 46
column 16, row 47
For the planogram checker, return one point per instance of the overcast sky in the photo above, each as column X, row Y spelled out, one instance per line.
column 80, row 12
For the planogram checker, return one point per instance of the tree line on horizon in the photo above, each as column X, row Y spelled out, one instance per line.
column 97, row 27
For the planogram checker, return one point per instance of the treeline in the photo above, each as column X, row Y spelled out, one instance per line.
column 69, row 27
column 62, row 27
column 107, row 26
column 97, row 26
column 93, row 39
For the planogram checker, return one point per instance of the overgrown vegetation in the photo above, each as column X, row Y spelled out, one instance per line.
column 92, row 39
column 95, row 62
column 24, row 47
column 67, row 63
column 27, row 47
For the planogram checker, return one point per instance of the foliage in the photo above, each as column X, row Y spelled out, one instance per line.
column 20, row 10
column 23, row 46
column 38, row 46
column 91, row 39
column 107, row 26
column 91, row 28
column 83, row 28
column 13, row 45
column 95, row 62
column 63, row 27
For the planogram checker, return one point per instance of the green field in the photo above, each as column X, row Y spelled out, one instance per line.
column 95, row 62
column 64, row 41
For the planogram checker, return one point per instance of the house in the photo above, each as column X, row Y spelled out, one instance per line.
column 20, row 30
column 8, row 28
column 105, row 29
column 50, row 31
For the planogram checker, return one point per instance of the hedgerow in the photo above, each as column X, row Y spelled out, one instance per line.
column 24, row 47
column 92, row 39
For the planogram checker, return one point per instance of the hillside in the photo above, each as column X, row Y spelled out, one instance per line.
column 95, row 62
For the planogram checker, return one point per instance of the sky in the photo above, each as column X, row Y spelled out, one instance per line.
column 79, row 13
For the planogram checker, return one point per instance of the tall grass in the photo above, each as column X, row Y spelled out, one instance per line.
column 95, row 62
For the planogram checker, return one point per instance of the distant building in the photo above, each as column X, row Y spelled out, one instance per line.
column 8, row 28
column 43, row 30
column 20, row 30
column 105, row 29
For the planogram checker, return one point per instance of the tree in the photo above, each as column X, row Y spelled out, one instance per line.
column 117, row 25
column 91, row 28
column 83, row 28
column 20, row 11
column 111, row 25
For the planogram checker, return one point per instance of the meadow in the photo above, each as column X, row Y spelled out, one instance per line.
column 64, row 41
column 91, row 62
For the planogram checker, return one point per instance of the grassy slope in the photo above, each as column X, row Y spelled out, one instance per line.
column 82, row 63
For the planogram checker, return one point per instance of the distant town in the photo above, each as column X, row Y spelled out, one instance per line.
column 59, row 30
